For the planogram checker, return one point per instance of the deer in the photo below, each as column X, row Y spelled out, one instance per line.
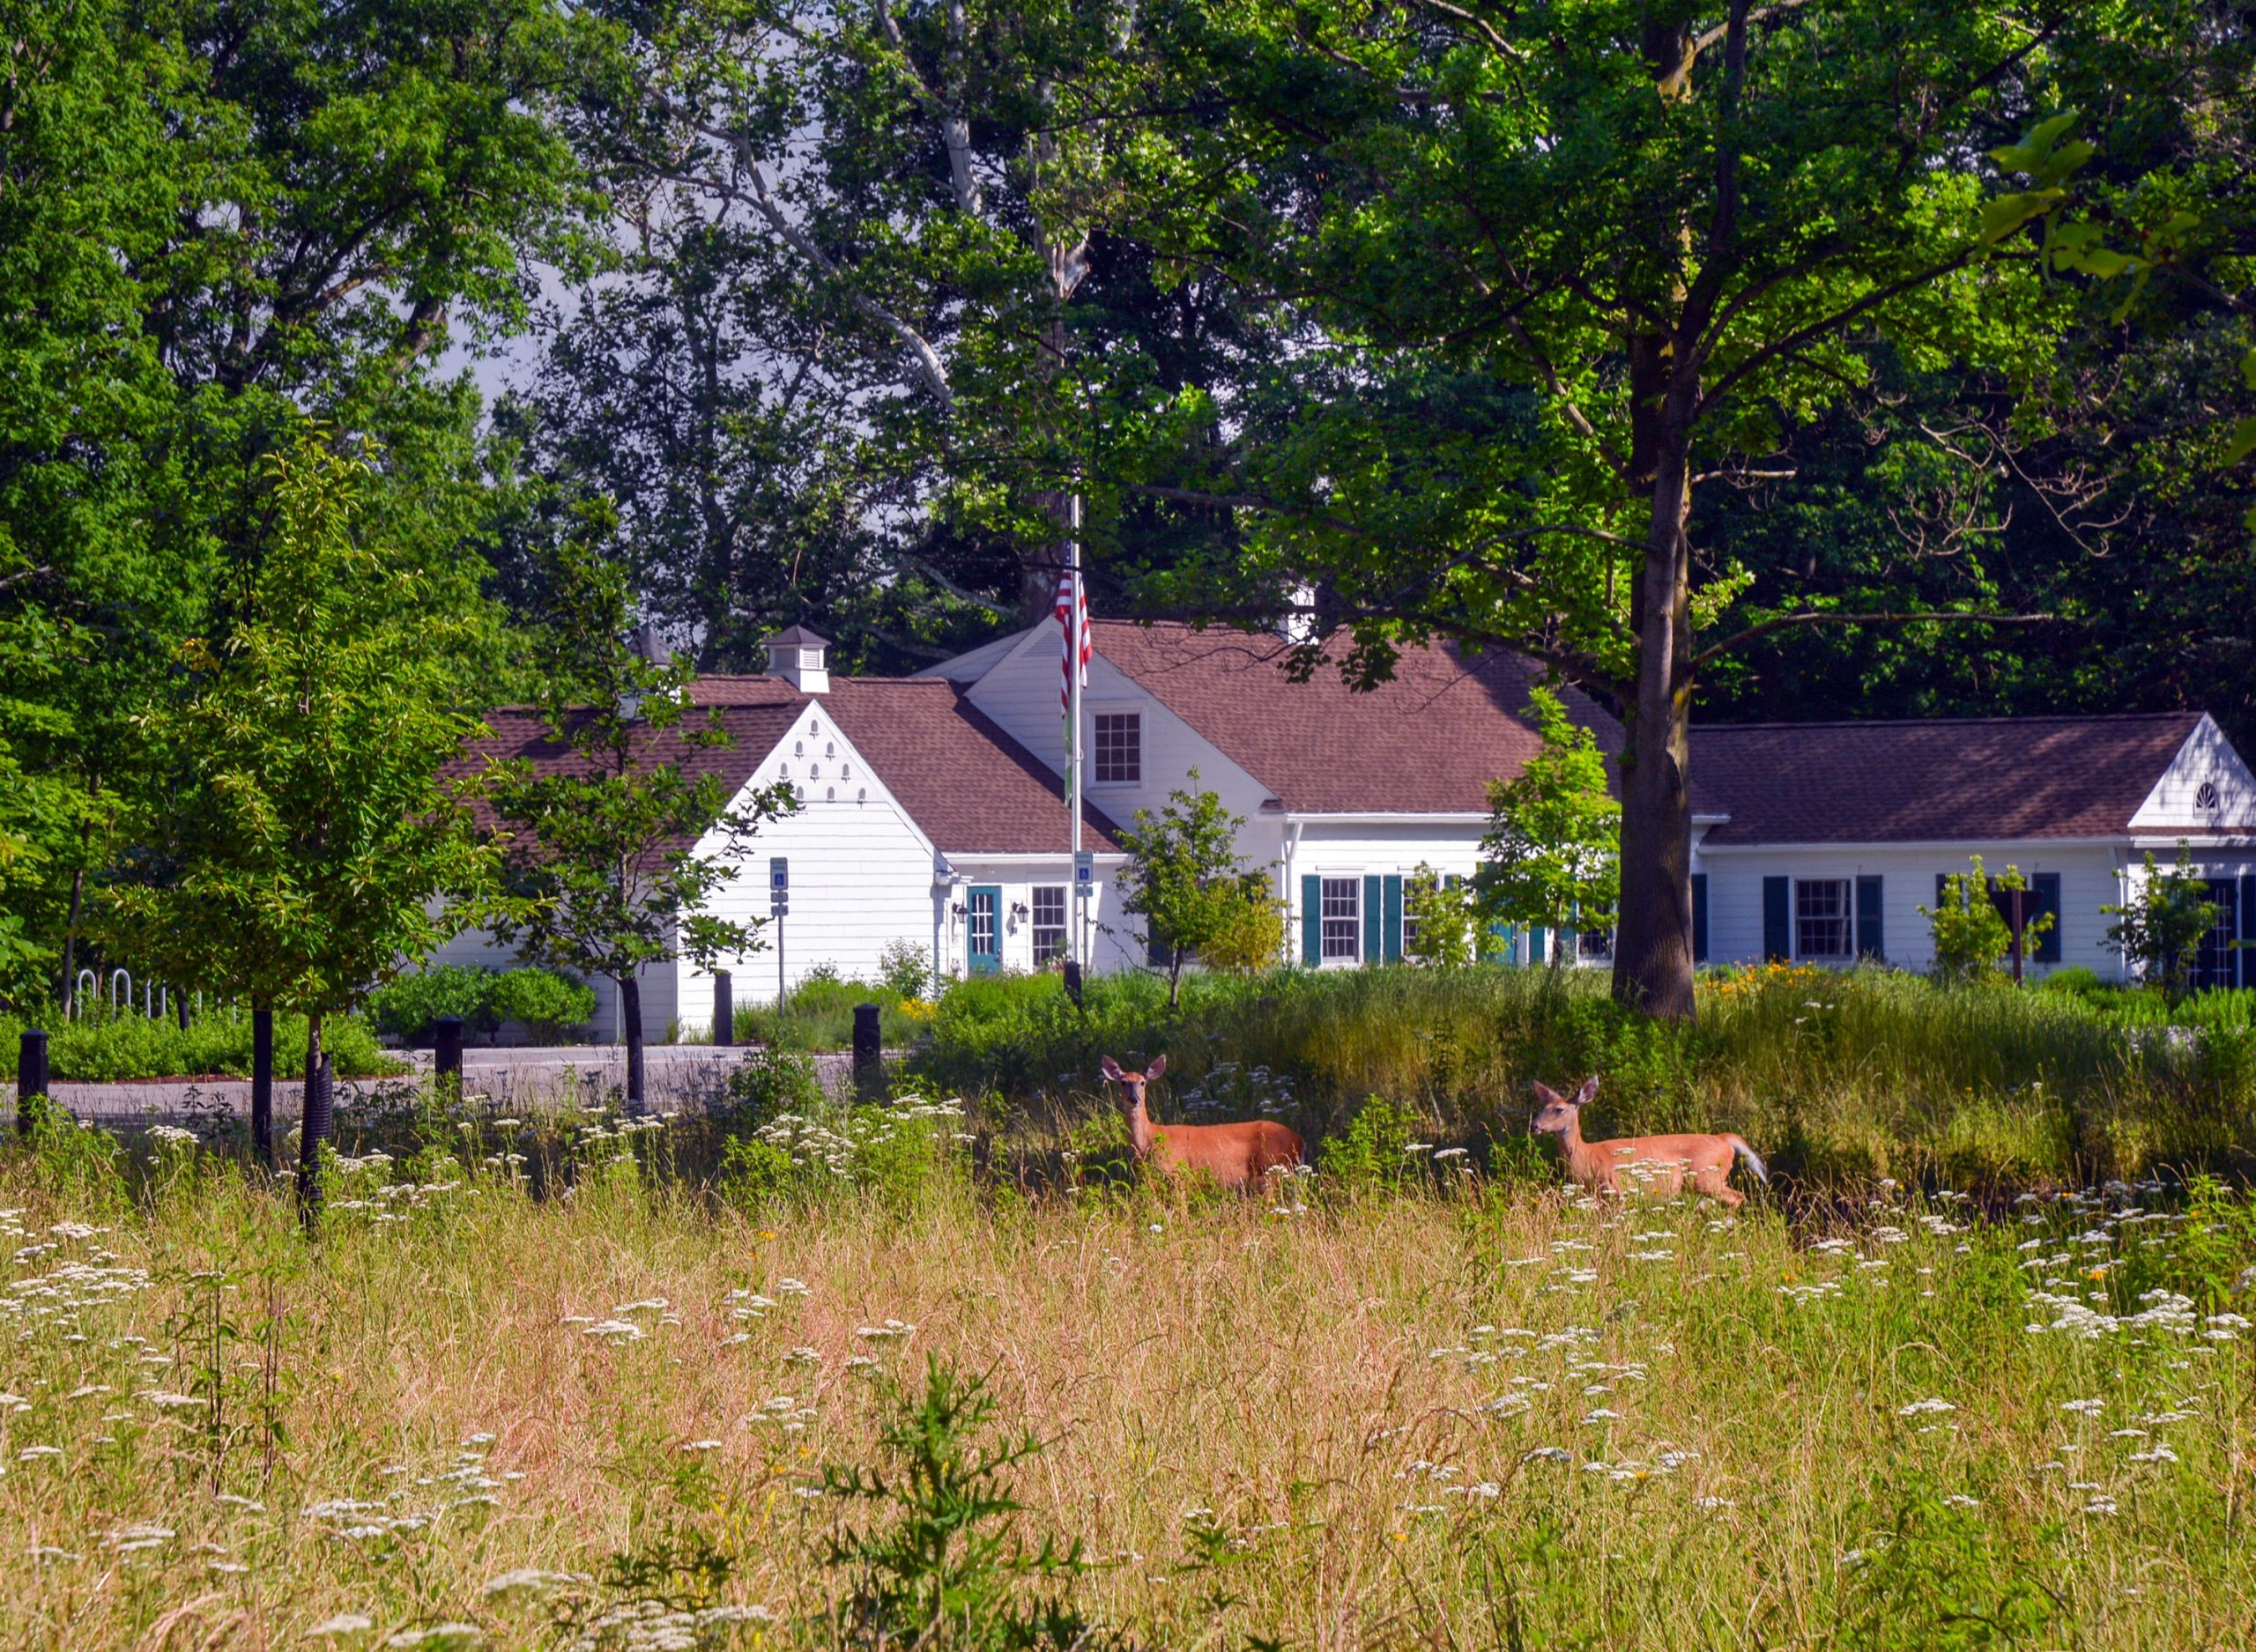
column 1237, row 1155
column 1656, row 1164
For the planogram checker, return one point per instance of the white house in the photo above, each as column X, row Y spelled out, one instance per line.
column 934, row 814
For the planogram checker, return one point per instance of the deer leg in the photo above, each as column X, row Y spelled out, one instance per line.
column 1710, row 1181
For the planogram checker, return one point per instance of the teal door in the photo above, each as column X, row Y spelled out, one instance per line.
column 985, row 919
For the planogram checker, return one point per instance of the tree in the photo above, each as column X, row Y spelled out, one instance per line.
column 1539, row 275
column 1183, row 879
column 1551, row 857
column 1970, row 934
column 603, row 863
column 304, row 848
column 1438, row 920
column 2160, row 929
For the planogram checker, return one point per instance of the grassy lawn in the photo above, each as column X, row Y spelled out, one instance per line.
column 1444, row 1411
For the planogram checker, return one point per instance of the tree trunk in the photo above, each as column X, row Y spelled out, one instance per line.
column 315, row 1129
column 70, row 942
column 630, row 1027
column 1652, row 953
column 262, row 1084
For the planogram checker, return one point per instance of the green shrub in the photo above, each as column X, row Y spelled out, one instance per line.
column 771, row 1082
column 1374, row 1150
column 547, row 1002
column 112, row 1046
column 819, row 1014
column 410, row 1007
column 905, row 969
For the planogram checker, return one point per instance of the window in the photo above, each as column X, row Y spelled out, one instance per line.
column 1823, row 918
column 1342, row 909
column 1594, row 946
column 1119, row 748
column 1048, row 923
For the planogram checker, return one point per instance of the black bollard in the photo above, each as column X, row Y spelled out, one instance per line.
column 724, row 1009
column 30, row 1078
column 446, row 1058
column 262, row 1085
column 313, row 1130
column 868, row 1065
column 1073, row 981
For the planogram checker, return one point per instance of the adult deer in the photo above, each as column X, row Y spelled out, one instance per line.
column 1236, row 1155
column 1654, row 1164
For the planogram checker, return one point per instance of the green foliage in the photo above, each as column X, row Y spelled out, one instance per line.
column 604, row 865
column 819, row 1014
column 1971, row 936
column 1441, row 920
column 949, row 1567
column 306, row 848
column 1938, row 1577
column 905, row 969
column 1551, row 857
column 547, row 1002
column 1183, row 879
column 107, row 1047
column 1373, row 1151
column 770, row 1082
column 2160, row 931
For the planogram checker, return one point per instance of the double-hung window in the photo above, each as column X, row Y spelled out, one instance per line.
column 1118, row 754
column 1825, row 919
column 1049, row 922
column 1342, row 914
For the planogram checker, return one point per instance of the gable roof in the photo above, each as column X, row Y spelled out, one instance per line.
column 1427, row 742
column 1944, row 780
column 969, row 786
column 520, row 733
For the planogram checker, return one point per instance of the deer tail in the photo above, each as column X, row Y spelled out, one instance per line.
column 1754, row 1160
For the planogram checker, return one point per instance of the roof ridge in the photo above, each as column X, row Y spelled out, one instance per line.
column 2023, row 718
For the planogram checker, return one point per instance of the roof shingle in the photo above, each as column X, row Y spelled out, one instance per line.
column 1945, row 780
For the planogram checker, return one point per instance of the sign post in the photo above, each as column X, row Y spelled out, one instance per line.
column 2017, row 907
column 779, row 905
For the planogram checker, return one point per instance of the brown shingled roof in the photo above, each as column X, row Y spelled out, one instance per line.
column 1427, row 742
column 1944, row 780
column 972, row 788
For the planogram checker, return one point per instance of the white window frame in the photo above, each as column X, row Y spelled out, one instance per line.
column 1036, row 928
column 1326, row 918
column 1097, row 718
column 1847, row 919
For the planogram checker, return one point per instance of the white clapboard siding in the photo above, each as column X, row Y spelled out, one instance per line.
column 2205, row 759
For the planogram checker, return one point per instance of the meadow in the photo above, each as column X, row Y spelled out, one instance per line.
column 953, row 1373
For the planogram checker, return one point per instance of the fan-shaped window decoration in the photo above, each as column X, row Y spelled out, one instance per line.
column 2206, row 796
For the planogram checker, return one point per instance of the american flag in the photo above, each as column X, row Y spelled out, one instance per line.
column 1066, row 614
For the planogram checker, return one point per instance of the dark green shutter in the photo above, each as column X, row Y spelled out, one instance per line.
column 1871, row 939
column 1393, row 888
column 1311, row 920
column 1777, row 920
column 1374, row 920
column 1535, row 938
column 2046, row 887
column 1699, row 917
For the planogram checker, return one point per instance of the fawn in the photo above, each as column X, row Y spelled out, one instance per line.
column 1237, row 1155
column 1655, row 1163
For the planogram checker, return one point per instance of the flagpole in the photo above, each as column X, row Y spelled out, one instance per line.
column 1073, row 638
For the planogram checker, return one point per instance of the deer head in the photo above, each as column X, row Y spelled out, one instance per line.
column 1132, row 1084
column 1562, row 1115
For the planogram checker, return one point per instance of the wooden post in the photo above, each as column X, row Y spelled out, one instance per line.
column 262, row 1085
column 1073, row 981
column 868, row 1065
column 313, row 1130
column 724, row 1009
column 446, row 1058
column 30, row 1078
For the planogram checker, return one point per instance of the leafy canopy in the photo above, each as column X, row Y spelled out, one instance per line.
column 1551, row 855
column 304, row 848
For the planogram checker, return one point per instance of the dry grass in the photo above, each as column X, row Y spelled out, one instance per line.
column 1334, row 1389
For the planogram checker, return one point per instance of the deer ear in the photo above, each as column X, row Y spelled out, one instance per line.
column 1588, row 1092
column 1546, row 1094
column 1158, row 1066
column 1111, row 1068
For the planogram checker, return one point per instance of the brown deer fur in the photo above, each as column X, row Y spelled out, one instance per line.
column 1237, row 1155
column 1657, row 1165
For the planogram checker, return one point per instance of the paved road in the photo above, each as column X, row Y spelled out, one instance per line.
column 674, row 1076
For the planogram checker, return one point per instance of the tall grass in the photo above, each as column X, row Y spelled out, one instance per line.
column 1836, row 1077
column 108, row 1045
column 637, row 1413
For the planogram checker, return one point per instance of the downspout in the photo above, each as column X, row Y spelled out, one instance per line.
column 1292, row 884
